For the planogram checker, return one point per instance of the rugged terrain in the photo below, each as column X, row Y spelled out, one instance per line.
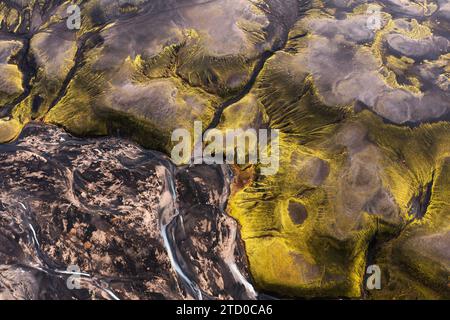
column 363, row 113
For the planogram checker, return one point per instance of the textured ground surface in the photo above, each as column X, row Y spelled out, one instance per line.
column 365, row 156
column 109, row 207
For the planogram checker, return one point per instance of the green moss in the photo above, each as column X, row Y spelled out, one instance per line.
column 76, row 110
column 9, row 129
column 224, row 76
column 406, row 159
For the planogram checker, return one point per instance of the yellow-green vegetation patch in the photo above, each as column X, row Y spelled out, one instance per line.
column 141, row 101
column 54, row 55
column 10, row 83
column 75, row 111
column 418, row 257
column 9, row 129
column 346, row 187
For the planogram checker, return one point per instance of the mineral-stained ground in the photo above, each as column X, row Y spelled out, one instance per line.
column 359, row 89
